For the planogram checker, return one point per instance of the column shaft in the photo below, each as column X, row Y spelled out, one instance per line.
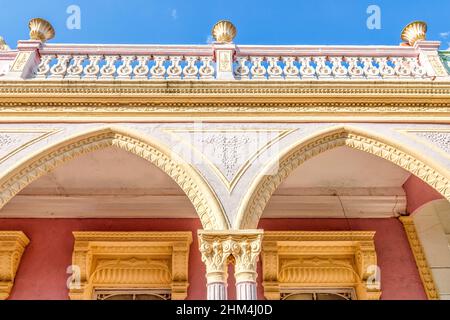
column 217, row 291
column 246, row 290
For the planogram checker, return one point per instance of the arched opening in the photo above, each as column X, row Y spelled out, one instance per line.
column 201, row 196
column 256, row 199
column 342, row 181
column 107, row 181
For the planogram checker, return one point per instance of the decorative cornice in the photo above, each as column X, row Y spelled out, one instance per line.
column 131, row 260
column 333, row 99
column 197, row 190
column 87, row 88
column 260, row 192
column 298, row 260
column 419, row 256
column 12, row 246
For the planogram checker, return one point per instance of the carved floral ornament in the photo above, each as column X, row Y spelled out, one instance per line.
column 241, row 247
column 294, row 260
column 12, row 246
column 130, row 260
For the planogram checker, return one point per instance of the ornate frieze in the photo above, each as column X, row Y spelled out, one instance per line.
column 12, row 246
column 302, row 259
column 130, row 260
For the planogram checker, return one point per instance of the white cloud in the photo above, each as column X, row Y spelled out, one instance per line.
column 209, row 39
column 174, row 14
column 445, row 35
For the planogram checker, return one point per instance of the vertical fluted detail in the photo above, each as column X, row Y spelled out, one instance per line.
column 246, row 290
column 217, row 291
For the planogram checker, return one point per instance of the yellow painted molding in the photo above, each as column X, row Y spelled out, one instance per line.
column 260, row 192
column 198, row 191
column 323, row 259
column 324, row 100
column 130, row 260
column 419, row 256
column 12, row 246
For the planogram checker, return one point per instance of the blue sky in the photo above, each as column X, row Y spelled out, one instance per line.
column 258, row 22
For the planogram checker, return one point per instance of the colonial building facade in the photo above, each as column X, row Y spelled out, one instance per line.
column 224, row 171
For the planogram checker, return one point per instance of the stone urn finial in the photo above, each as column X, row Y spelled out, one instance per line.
column 3, row 45
column 414, row 32
column 41, row 29
column 224, row 31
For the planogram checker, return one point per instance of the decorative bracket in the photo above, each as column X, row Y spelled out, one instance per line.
column 12, row 246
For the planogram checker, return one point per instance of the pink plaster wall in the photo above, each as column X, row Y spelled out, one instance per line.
column 400, row 279
column 42, row 271
column 418, row 193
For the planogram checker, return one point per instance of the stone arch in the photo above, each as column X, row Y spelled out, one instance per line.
column 191, row 182
column 258, row 195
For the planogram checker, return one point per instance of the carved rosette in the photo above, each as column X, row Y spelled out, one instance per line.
column 221, row 247
column 12, row 246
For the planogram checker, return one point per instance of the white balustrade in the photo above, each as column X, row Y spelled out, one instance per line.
column 250, row 63
column 326, row 68
column 124, row 67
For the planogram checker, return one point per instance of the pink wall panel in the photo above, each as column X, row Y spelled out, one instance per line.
column 399, row 275
column 42, row 272
column 418, row 193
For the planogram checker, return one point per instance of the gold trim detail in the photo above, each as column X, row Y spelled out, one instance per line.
column 45, row 134
column 20, row 61
column 197, row 190
column 229, row 184
column 263, row 187
column 421, row 260
column 304, row 259
column 290, row 99
column 130, row 260
column 12, row 246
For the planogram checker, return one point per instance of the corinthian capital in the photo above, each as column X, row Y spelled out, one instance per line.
column 215, row 252
column 217, row 247
column 246, row 254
